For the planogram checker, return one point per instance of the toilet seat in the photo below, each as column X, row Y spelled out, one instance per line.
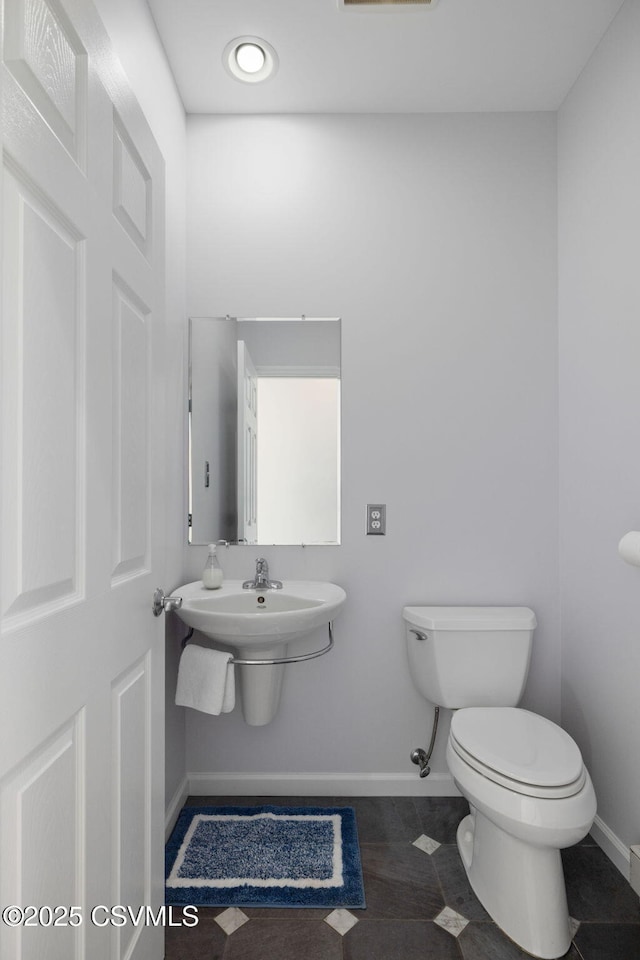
column 519, row 750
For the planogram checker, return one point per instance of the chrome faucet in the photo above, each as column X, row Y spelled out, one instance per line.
column 261, row 580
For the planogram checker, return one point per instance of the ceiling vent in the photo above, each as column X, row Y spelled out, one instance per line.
column 381, row 4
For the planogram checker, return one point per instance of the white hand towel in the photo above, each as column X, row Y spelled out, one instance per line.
column 206, row 680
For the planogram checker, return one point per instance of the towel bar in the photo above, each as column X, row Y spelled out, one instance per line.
column 276, row 660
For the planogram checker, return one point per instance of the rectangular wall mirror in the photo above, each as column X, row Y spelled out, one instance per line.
column 264, row 430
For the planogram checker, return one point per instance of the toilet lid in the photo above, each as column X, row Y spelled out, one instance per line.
column 519, row 745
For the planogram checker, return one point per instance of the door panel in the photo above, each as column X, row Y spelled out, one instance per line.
column 133, row 827
column 81, row 747
column 43, row 387
column 132, row 189
column 44, row 799
column 49, row 62
column 131, row 479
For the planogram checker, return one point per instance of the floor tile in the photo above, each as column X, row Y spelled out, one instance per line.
column 588, row 841
column 426, row 844
column 208, row 913
column 398, row 940
column 484, row 941
column 596, row 890
column 287, row 913
column 215, row 801
column 454, row 923
column 439, row 817
column 400, row 882
column 455, row 886
column 390, row 819
column 609, row 941
column 282, row 940
column 231, row 920
column 301, row 801
column 206, row 941
column 341, row 921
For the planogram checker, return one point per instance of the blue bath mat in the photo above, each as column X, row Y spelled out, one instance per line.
column 264, row 857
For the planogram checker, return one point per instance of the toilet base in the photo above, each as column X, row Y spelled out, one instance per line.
column 521, row 886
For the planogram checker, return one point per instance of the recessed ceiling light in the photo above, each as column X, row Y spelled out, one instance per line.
column 250, row 59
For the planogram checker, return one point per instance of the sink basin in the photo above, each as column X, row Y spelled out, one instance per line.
column 259, row 618
column 259, row 624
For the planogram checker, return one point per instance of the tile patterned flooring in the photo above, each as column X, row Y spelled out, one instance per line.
column 419, row 903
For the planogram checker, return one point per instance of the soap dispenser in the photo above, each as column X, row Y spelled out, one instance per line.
column 212, row 575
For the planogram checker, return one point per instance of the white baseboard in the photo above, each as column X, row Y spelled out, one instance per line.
column 321, row 785
column 612, row 845
column 175, row 806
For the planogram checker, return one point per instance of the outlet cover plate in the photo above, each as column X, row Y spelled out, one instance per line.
column 376, row 519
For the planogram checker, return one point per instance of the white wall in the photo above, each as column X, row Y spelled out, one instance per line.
column 292, row 343
column 434, row 238
column 134, row 37
column 599, row 244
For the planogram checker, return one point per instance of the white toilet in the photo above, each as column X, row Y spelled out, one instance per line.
column 529, row 792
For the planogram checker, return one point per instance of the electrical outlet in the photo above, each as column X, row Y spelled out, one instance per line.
column 376, row 519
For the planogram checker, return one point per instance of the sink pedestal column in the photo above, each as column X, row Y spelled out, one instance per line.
column 260, row 686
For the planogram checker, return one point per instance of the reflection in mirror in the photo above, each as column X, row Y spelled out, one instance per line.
column 264, row 430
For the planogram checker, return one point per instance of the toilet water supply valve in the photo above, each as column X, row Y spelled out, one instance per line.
column 421, row 757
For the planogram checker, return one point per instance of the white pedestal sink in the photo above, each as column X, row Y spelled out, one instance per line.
column 259, row 625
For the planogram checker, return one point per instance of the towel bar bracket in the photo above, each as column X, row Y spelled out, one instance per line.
column 274, row 661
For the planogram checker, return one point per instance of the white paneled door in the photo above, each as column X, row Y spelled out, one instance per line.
column 81, row 656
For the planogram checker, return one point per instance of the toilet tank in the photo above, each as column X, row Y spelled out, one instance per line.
column 469, row 656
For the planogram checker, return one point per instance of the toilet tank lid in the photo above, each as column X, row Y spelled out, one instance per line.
column 471, row 618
